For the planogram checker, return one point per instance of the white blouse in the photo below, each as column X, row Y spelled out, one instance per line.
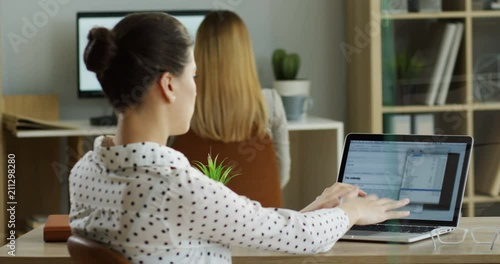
column 278, row 129
column 145, row 201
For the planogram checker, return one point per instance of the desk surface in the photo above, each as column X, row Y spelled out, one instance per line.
column 85, row 129
column 31, row 249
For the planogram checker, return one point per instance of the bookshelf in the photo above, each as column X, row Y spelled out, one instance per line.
column 367, row 88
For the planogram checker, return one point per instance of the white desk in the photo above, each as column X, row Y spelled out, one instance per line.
column 316, row 149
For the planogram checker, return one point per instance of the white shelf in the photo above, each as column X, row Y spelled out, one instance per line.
column 314, row 123
column 85, row 129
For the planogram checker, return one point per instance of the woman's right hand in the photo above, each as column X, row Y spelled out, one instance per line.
column 372, row 210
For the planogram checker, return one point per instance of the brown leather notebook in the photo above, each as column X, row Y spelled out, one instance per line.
column 57, row 228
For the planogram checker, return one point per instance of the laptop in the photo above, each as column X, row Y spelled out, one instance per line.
column 429, row 170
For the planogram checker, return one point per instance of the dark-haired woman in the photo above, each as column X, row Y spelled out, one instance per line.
column 144, row 200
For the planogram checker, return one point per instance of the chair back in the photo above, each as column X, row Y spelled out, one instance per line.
column 84, row 250
column 254, row 159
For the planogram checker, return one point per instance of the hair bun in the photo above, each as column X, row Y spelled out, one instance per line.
column 101, row 49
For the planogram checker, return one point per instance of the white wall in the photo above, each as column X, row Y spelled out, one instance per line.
column 46, row 63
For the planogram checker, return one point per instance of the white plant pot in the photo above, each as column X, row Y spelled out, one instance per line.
column 293, row 87
column 295, row 95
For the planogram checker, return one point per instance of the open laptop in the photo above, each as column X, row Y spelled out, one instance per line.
column 429, row 170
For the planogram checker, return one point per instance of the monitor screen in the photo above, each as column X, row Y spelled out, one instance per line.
column 88, row 85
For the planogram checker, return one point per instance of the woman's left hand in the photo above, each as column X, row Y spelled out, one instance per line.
column 333, row 196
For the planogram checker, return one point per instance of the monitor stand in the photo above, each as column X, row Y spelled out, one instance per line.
column 111, row 120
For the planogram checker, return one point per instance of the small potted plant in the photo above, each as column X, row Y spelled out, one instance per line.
column 294, row 92
column 217, row 172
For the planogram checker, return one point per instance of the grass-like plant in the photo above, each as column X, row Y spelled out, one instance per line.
column 217, row 172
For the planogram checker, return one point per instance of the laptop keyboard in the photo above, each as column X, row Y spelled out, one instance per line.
column 396, row 229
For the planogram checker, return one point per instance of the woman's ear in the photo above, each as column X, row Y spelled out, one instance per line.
column 166, row 87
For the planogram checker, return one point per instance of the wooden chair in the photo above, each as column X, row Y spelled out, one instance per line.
column 84, row 250
column 255, row 159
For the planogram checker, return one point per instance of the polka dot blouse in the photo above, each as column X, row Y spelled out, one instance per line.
column 145, row 201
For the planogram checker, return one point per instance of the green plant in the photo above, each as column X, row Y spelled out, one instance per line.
column 408, row 66
column 216, row 172
column 286, row 66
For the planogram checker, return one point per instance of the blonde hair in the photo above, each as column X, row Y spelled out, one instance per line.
column 230, row 106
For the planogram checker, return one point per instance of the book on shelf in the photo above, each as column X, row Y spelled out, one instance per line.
column 445, row 42
column 417, row 124
column 397, row 124
column 450, row 65
column 423, row 124
column 16, row 122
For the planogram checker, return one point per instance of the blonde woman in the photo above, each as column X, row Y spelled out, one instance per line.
column 232, row 108
column 144, row 200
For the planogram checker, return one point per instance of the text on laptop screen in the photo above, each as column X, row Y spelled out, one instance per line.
column 428, row 173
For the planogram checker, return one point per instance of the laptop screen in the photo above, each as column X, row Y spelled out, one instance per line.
column 430, row 172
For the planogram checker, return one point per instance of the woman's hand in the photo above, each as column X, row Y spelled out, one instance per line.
column 372, row 210
column 332, row 196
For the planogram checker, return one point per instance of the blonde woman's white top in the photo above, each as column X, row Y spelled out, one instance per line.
column 278, row 129
column 145, row 201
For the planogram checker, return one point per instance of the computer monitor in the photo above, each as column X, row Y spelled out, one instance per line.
column 88, row 85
